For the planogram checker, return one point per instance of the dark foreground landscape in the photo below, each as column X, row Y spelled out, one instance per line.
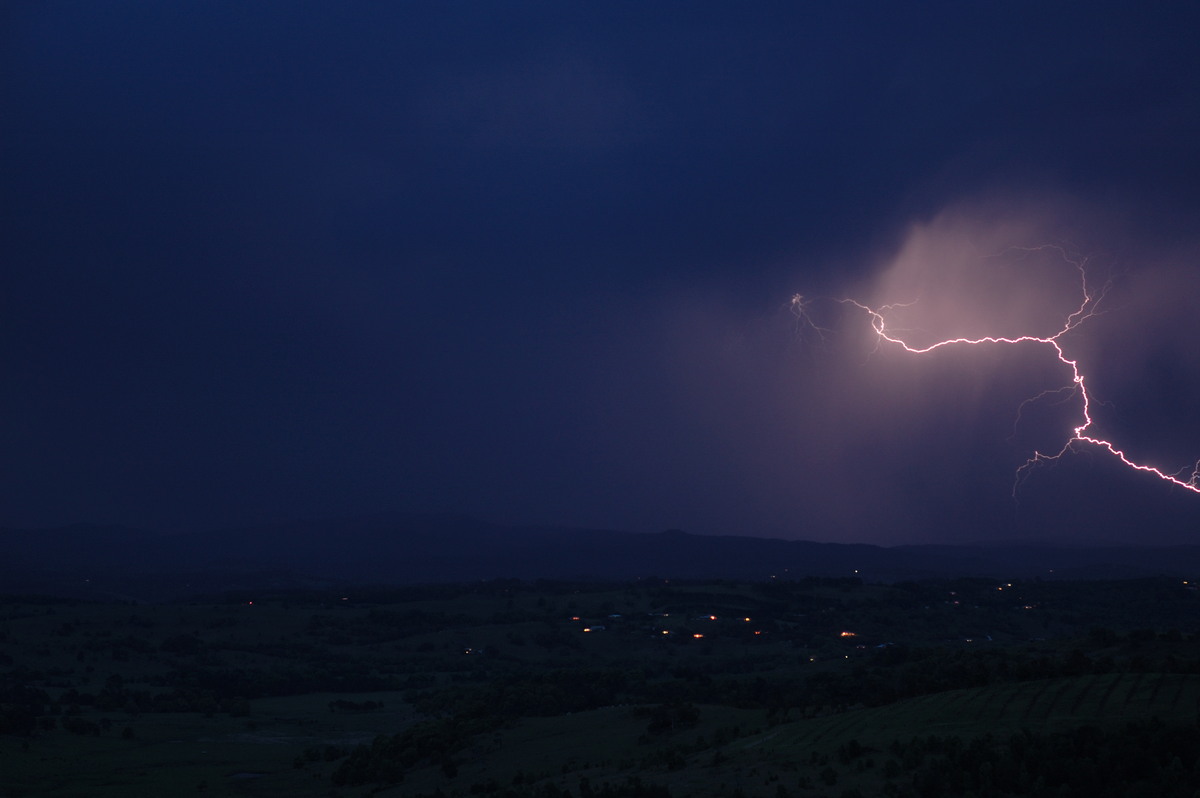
column 653, row 687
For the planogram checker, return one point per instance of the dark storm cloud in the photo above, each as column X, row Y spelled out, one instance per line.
column 277, row 260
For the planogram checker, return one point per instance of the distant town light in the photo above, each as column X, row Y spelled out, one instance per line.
column 848, row 634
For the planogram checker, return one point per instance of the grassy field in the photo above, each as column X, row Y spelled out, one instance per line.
column 608, row 744
column 187, row 753
column 1041, row 706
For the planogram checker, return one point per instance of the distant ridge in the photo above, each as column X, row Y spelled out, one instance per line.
column 108, row 561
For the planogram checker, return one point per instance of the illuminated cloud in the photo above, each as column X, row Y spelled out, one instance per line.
column 883, row 444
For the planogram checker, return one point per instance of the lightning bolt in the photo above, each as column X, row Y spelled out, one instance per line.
column 1082, row 432
column 804, row 323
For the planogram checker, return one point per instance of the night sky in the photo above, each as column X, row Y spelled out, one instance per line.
column 534, row 262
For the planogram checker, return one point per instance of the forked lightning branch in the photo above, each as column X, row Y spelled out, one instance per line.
column 1187, row 477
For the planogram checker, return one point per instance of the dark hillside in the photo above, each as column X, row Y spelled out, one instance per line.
column 415, row 549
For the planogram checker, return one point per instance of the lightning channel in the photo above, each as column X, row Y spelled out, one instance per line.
column 1082, row 433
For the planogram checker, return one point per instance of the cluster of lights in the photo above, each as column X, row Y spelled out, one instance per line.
column 666, row 632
